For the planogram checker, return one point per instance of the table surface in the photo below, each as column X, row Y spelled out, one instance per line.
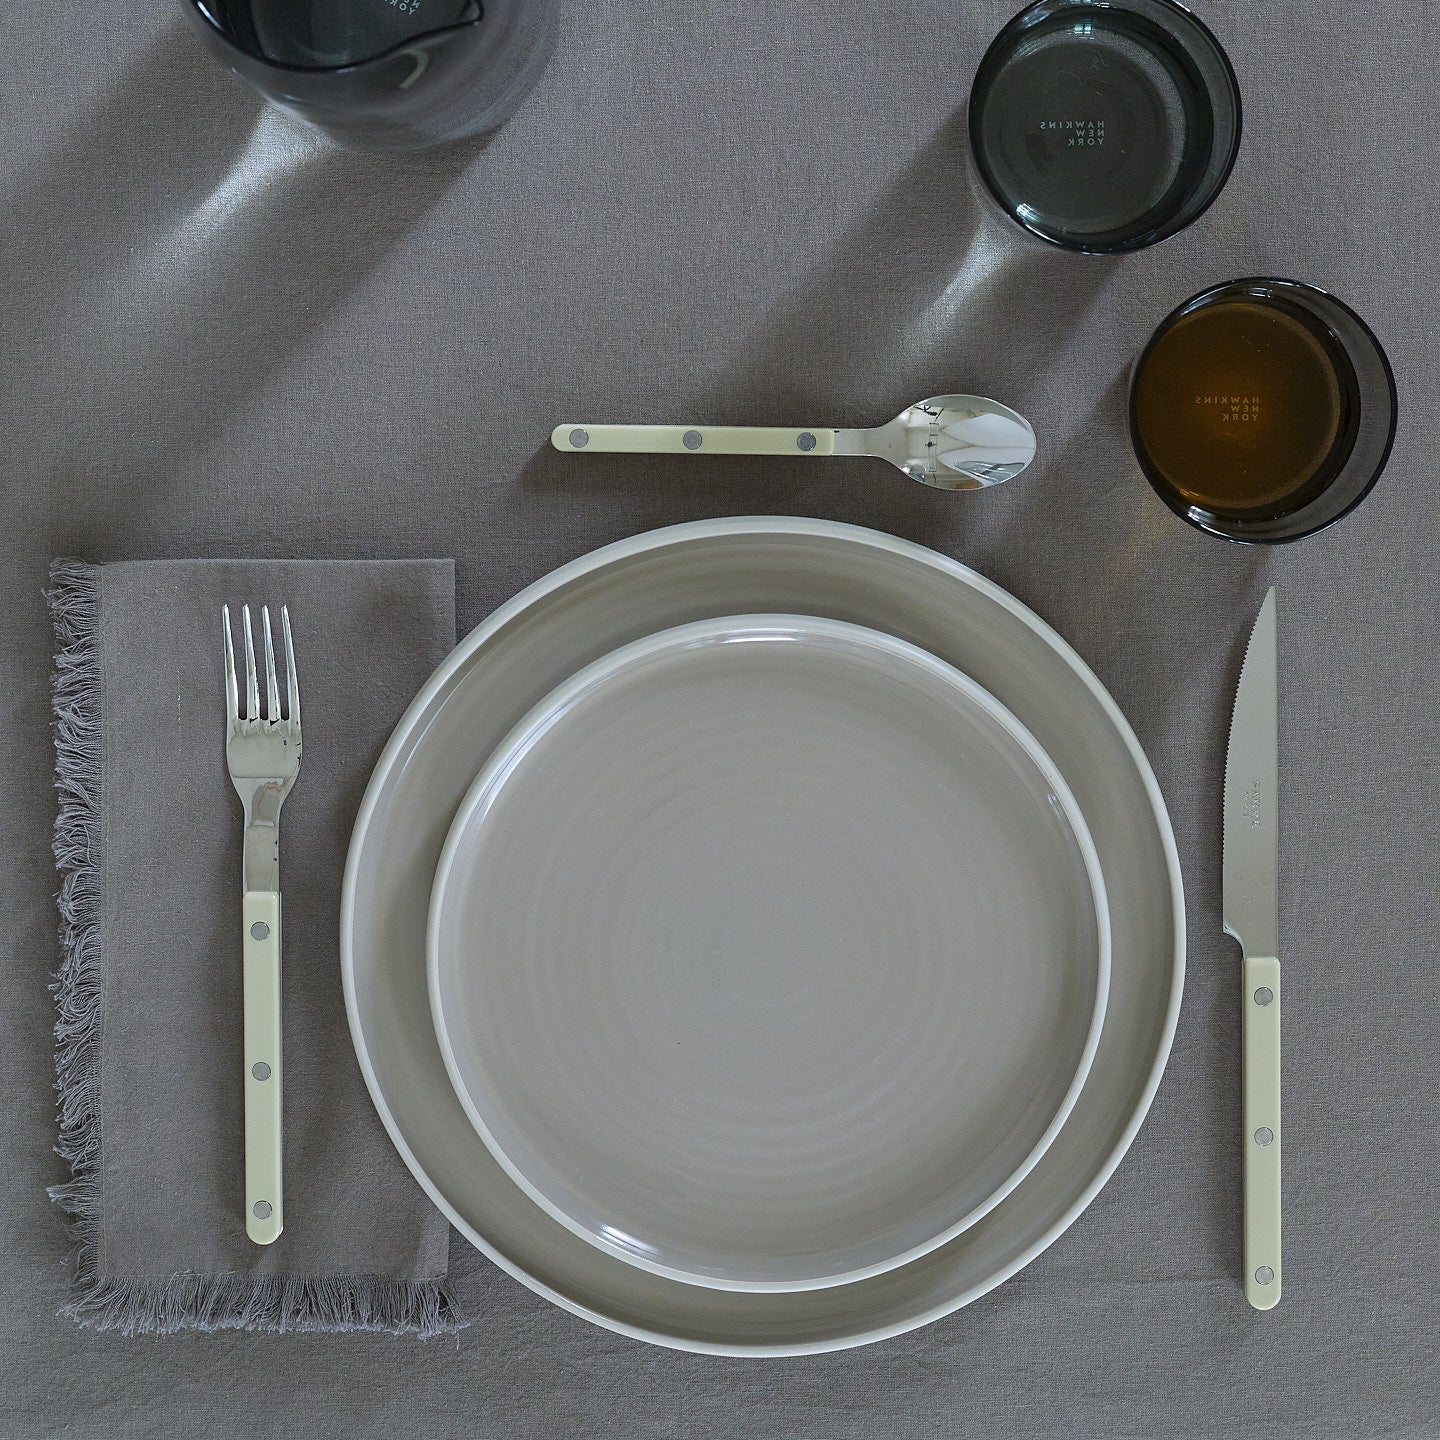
column 222, row 337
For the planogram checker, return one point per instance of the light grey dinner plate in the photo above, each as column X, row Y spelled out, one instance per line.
column 768, row 952
column 652, row 582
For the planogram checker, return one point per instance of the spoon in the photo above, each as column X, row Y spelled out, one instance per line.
column 953, row 442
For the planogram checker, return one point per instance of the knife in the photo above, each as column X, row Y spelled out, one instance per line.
column 1251, row 915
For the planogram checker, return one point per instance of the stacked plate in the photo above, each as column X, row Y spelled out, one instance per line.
column 762, row 936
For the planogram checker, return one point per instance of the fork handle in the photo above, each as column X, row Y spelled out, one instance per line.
column 264, row 1197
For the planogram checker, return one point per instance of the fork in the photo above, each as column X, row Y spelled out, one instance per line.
column 262, row 750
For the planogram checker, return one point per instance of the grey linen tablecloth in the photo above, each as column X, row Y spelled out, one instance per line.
column 220, row 337
column 149, row 992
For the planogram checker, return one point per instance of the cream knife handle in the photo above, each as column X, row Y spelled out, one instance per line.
column 694, row 439
column 264, row 1198
column 1260, row 1058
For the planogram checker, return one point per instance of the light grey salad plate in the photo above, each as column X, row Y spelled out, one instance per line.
column 652, row 582
column 768, row 952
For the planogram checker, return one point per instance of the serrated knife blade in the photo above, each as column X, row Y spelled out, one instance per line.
column 1251, row 915
column 1252, row 911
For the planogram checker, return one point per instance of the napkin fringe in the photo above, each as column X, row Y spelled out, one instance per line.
column 279, row 1304
column 160, row 1305
column 74, row 598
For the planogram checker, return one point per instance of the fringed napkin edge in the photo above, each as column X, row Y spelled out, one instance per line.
column 159, row 1305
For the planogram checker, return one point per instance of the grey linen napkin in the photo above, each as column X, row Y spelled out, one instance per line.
column 147, row 843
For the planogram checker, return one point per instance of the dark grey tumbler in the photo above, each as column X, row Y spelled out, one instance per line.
column 385, row 74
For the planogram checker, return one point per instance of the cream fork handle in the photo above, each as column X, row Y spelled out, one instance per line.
column 264, row 1197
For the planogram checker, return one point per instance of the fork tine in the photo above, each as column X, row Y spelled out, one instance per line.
column 272, row 685
column 232, row 693
column 252, row 688
column 292, row 680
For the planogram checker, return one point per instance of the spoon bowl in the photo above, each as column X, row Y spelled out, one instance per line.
column 953, row 442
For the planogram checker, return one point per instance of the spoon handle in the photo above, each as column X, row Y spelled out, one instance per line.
column 694, row 439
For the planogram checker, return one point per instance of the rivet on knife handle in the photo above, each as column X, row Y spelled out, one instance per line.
column 1260, row 1041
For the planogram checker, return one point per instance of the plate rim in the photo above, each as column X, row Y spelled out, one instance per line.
column 563, row 696
column 738, row 526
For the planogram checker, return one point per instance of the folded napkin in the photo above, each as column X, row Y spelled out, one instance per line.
column 149, row 989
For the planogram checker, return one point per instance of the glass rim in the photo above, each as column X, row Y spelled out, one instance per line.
column 1160, row 233
column 350, row 67
column 1206, row 521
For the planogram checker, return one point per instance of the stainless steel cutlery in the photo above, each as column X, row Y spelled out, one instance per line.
column 951, row 442
column 1251, row 915
column 263, row 753
column 262, row 750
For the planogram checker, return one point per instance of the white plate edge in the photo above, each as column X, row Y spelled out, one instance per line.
column 682, row 534
column 571, row 689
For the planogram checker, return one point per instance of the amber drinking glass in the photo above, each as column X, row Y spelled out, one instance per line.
column 1263, row 410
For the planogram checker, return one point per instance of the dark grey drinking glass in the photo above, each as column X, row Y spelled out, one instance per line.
column 1104, row 125
column 1263, row 410
column 385, row 74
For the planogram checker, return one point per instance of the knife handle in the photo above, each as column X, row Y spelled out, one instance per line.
column 1260, row 1057
column 264, row 1198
